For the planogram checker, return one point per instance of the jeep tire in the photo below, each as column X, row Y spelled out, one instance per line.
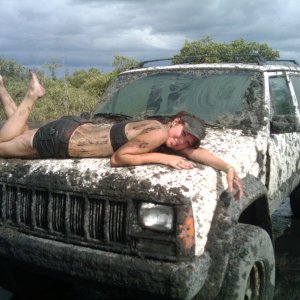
column 251, row 268
column 295, row 202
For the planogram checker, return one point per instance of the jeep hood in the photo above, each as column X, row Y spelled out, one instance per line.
column 201, row 186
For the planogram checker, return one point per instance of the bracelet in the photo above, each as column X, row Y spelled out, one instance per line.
column 227, row 169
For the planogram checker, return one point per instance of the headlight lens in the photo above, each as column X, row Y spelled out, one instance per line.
column 156, row 216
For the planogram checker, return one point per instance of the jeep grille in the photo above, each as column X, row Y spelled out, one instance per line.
column 64, row 216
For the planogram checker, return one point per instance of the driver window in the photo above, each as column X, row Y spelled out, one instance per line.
column 283, row 116
column 296, row 84
column 280, row 96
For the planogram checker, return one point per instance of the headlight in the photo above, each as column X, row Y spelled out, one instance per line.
column 156, row 216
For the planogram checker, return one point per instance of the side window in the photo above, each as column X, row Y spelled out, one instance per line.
column 281, row 98
column 296, row 84
column 283, row 115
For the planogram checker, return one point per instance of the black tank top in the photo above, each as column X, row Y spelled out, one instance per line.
column 117, row 135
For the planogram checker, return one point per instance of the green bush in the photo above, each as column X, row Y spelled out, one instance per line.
column 70, row 96
column 62, row 99
column 92, row 81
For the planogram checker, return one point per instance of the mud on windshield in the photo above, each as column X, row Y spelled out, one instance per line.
column 230, row 98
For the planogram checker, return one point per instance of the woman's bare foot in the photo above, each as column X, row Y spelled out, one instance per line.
column 35, row 90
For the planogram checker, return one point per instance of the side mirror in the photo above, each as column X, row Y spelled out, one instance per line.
column 85, row 115
column 284, row 124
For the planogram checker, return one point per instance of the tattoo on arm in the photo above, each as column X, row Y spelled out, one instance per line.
column 138, row 127
column 149, row 129
column 143, row 144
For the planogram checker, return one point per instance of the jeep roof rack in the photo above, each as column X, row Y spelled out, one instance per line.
column 287, row 62
column 193, row 59
column 256, row 58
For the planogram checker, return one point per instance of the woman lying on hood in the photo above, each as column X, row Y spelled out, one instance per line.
column 129, row 143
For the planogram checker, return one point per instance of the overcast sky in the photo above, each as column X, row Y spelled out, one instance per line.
column 89, row 33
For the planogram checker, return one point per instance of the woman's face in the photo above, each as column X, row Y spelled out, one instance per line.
column 179, row 139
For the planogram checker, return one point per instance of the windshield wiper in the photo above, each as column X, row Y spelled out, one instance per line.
column 169, row 116
column 112, row 116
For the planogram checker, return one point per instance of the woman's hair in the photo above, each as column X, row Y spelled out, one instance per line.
column 192, row 125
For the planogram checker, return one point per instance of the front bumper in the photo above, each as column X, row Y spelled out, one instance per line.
column 181, row 280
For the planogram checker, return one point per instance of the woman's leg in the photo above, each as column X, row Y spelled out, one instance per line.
column 8, row 103
column 19, row 147
column 16, row 123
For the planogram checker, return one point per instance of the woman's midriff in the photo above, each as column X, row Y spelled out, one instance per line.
column 90, row 140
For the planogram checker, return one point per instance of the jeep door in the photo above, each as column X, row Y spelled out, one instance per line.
column 284, row 140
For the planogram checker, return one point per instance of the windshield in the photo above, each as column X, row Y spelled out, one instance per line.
column 216, row 96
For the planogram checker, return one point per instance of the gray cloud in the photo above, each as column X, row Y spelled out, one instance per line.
column 87, row 33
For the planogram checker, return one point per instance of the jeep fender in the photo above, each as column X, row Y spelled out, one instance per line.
column 220, row 237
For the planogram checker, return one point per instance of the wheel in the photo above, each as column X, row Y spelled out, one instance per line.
column 295, row 202
column 24, row 284
column 251, row 269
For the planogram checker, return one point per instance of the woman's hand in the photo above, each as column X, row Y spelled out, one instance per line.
column 234, row 181
column 179, row 163
column 205, row 157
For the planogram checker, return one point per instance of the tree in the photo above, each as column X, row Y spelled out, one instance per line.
column 207, row 50
column 52, row 67
column 92, row 81
column 10, row 68
column 122, row 63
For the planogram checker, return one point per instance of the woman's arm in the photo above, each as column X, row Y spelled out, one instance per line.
column 205, row 157
column 141, row 150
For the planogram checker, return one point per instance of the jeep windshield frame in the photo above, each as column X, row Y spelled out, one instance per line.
column 227, row 97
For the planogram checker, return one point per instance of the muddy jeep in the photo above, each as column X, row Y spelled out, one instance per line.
column 167, row 233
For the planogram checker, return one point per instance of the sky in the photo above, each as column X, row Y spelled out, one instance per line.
column 81, row 34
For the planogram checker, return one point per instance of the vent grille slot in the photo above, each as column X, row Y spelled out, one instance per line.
column 77, row 215
column 96, row 219
column 117, row 222
column 41, row 209
column 58, row 212
column 11, row 199
column 25, row 206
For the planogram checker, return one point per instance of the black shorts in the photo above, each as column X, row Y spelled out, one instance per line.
column 118, row 136
column 52, row 139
